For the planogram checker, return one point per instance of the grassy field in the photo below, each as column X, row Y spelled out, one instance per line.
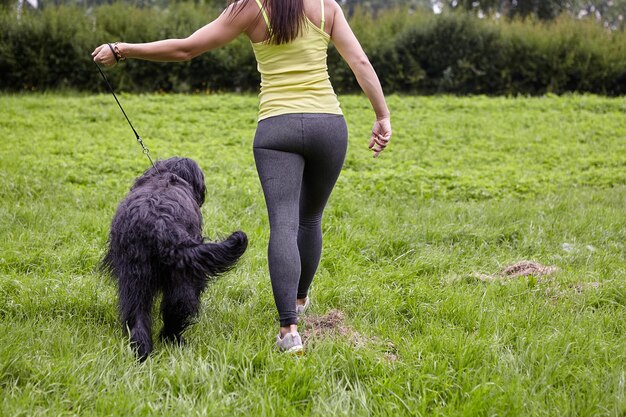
column 410, row 314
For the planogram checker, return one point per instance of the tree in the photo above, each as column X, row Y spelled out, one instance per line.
column 543, row 9
column 611, row 12
column 377, row 5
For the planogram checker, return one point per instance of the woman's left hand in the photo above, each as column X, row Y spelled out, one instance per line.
column 381, row 135
column 104, row 55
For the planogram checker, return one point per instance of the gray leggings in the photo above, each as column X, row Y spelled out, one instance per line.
column 298, row 158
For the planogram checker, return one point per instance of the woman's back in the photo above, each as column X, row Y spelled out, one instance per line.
column 294, row 75
column 257, row 32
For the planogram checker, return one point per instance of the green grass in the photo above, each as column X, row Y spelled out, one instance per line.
column 468, row 186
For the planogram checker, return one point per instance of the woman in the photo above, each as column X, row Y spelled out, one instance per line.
column 301, row 138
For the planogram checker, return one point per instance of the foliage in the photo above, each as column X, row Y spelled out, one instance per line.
column 612, row 13
column 456, row 54
column 467, row 186
column 543, row 9
column 412, row 52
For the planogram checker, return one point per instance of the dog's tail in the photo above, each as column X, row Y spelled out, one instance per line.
column 212, row 259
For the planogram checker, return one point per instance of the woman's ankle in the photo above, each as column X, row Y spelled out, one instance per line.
column 293, row 328
column 301, row 301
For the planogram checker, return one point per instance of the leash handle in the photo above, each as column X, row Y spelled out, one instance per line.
column 145, row 150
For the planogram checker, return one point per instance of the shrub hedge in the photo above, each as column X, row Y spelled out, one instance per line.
column 412, row 52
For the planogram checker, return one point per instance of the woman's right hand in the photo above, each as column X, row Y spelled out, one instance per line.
column 104, row 55
column 381, row 135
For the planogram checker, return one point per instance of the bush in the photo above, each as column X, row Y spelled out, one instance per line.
column 456, row 53
column 46, row 50
column 565, row 56
column 412, row 52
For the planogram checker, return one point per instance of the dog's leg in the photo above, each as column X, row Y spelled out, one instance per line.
column 195, row 264
column 136, row 295
column 181, row 302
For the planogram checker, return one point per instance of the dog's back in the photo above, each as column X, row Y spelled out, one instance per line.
column 154, row 219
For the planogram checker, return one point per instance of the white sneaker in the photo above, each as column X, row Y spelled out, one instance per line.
column 290, row 343
column 301, row 309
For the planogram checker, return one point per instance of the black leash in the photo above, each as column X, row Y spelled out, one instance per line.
column 146, row 151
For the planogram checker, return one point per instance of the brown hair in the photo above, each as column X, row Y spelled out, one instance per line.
column 286, row 18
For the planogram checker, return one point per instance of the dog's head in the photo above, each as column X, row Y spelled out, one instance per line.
column 186, row 169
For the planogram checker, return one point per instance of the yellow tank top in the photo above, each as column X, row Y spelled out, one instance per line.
column 294, row 75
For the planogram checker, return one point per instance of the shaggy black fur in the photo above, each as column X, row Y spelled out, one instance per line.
column 156, row 245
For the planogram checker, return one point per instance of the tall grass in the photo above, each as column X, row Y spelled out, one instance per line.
column 468, row 186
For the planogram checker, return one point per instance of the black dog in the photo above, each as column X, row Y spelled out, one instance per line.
column 156, row 245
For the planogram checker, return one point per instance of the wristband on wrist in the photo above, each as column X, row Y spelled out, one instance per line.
column 117, row 59
column 118, row 53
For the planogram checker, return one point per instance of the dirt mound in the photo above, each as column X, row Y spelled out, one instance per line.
column 331, row 324
column 519, row 269
column 524, row 268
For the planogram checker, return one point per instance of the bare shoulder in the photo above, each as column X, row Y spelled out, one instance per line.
column 242, row 13
column 333, row 6
column 334, row 16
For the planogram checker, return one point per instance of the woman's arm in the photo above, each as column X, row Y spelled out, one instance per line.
column 215, row 34
column 350, row 49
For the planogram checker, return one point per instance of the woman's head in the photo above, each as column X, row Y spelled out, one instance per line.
column 286, row 18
